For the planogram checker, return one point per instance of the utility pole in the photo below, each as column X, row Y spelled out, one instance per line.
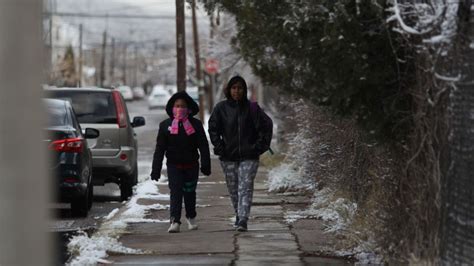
column 155, row 49
column 24, row 219
column 102, row 60
column 135, row 70
column 198, row 62
column 124, row 64
column 180, row 46
column 211, row 90
column 112, row 63
column 96, row 66
column 80, row 55
column 50, row 54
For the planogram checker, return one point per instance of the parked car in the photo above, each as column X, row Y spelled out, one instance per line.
column 126, row 92
column 114, row 153
column 138, row 93
column 158, row 98
column 71, row 158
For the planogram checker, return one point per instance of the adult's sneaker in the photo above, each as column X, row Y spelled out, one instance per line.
column 174, row 228
column 236, row 223
column 192, row 225
column 242, row 227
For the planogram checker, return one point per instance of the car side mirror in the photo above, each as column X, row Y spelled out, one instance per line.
column 138, row 121
column 91, row 133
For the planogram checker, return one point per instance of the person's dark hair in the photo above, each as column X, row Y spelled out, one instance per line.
column 231, row 82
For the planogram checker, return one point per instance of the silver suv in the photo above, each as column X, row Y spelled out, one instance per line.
column 114, row 152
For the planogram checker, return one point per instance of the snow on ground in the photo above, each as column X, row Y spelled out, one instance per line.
column 87, row 250
column 144, row 169
column 286, row 177
column 296, row 173
column 337, row 211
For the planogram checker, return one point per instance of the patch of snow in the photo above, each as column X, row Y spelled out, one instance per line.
column 147, row 187
column 90, row 250
column 163, row 180
column 295, row 216
column 287, row 176
column 339, row 213
column 112, row 214
column 93, row 249
column 366, row 258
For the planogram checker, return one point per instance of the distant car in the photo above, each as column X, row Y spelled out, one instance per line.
column 138, row 93
column 126, row 92
column 114, row 153
column 172, row 89
column 194, row 93
column 71, row 157
column 158, row 98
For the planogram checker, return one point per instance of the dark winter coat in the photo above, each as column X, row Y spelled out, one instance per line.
column 234, row 133
column 181, row 149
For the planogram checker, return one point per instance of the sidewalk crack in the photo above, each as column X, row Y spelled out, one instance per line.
column 235, row 251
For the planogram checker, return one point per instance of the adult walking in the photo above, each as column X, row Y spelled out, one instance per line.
column 239, row 133
column 180, row 137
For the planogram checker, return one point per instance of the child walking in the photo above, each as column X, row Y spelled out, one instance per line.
column 179, row 138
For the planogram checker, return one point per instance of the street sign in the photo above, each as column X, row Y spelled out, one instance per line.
column 212, row 66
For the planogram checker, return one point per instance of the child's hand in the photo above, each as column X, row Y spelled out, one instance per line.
column 206, row 171
column 155, row 177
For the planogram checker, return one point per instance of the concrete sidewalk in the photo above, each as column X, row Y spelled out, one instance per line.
column 269, row 241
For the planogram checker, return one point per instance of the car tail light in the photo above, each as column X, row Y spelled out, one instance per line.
column 120, row 110
column 123, row 157
column 67, row 145
column 71, row 180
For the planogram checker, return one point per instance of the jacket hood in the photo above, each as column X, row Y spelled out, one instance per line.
column 192, row 105
column 231, row 82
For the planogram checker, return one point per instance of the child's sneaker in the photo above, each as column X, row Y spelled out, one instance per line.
column 192, row 225
column 242, row 227
column 174, row 228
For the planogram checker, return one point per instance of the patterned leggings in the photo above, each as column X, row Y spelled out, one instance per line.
column 239, row 177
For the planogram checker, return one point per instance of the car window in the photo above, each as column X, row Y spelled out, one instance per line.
column 57, row 115
column 73, row 118
column 90, row 107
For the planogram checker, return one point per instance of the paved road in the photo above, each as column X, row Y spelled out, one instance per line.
column 107, row 198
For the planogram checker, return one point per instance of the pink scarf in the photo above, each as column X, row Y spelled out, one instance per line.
column 181, row 115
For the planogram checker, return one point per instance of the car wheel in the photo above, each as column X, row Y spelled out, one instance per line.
column 80, row 206
column 91, row 196
column 127, row 182
column 135, row 175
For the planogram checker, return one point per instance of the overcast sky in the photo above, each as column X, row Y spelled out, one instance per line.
column 130, row 29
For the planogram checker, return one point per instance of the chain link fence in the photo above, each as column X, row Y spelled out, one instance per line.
column 457, row 246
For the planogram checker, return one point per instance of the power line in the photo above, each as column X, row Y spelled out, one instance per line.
column 134, row 7
column 101, row 16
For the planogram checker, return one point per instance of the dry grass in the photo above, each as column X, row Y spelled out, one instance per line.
column 270, row 161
